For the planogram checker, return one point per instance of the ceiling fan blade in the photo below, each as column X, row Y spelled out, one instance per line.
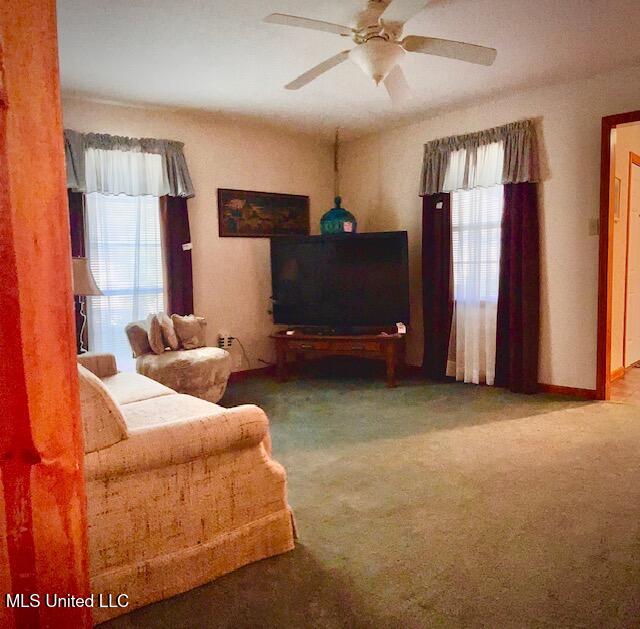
column 451, row 49
column 316, row 71
column 397, row 86
column 399, row 11
column 303, row 22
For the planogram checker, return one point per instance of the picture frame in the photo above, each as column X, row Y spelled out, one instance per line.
column 253, row 214
column 617, row 183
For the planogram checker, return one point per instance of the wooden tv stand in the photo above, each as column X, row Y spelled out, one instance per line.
column 389, row 347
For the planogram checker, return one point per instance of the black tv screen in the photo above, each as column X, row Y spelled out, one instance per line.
column 340, row 281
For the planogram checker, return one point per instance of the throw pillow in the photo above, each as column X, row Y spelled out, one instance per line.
column 136, row 332
column 155, row 334
column 169, row 336
column 190, row 330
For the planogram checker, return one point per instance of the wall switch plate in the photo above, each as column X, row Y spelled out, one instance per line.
column 594, row 227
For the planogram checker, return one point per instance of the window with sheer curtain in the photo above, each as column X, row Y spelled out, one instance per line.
column 475, row 235
column 124, row 247
column 476, row 216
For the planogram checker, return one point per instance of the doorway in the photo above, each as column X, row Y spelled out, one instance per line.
column 618, row 378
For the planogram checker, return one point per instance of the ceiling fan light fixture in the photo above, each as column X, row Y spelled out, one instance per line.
column 377, row 57
column 377, row 30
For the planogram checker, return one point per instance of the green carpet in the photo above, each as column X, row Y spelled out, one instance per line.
column 436, row 505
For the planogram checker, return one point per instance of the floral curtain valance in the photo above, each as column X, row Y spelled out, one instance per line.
column 111, row 164
column 466, row 161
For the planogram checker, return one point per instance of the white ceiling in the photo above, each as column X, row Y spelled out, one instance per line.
column 219, row 56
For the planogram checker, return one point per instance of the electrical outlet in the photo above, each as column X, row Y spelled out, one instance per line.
column 225, row 341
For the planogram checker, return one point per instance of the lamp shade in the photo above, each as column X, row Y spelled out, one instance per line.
column 83, row 282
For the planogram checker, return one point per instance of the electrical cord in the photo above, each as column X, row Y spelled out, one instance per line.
column 221, row 343
column 244, row 351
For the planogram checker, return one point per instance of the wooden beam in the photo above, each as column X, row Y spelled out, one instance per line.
column 44, row 546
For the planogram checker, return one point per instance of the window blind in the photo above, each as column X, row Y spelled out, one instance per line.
column 475, row 225
column 125, row 253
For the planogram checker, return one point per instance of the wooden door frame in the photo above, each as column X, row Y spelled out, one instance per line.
column 605, row 266
column 634, row 159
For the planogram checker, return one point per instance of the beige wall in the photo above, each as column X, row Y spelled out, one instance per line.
column 380, row 175
column 627, row 139
column 232, row 278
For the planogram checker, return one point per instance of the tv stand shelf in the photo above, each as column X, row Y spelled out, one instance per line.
column 388, row 347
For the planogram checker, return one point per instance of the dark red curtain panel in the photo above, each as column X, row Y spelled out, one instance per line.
column 76, row 224
column 518, row 326
column 176, row 233
column 437, row 282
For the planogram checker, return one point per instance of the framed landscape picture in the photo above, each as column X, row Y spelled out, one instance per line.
column 248, row 214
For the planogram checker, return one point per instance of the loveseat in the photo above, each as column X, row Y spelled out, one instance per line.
column 179, row 490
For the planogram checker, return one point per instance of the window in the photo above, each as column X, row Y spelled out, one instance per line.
column 125, row 253
column 475, row 230
column 476, row 215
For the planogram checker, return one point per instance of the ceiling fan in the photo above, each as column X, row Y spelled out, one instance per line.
column 377, row 31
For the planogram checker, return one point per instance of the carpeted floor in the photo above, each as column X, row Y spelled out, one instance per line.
column 437, row 505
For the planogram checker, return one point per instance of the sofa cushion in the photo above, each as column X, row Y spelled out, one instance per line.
column 102, row 418
column 190, row 330
column 168, row 409
column 126, row 387
column 136, row 332
column 154, row 332
column 169, row 335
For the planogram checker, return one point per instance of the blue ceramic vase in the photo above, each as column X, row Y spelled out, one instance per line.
column 338, row 220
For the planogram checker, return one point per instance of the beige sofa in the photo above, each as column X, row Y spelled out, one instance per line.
column 179, row 490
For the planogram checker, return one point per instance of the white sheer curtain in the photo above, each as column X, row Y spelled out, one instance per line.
column 131, row 172
column 475, row 169
column 125, row 253
column 476, row 215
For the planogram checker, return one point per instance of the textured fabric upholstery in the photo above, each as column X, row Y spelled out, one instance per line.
column 154, row 334
column 99, row 363
column 169, row 335
column 102, row 419
column 171, row 441
column 187, row 493
column 132, row 387
column 162, row 410
column 138, row 337
column 190, row 330
column 201, row 372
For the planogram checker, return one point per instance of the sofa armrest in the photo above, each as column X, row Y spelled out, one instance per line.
column 101, row 364
column 179, row 442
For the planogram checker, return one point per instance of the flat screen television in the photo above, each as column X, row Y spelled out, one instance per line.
column 341, row 283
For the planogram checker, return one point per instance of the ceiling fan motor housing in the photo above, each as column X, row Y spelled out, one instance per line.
column 377, row 57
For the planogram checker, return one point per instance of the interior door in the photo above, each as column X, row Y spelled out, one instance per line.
column 632, row 316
